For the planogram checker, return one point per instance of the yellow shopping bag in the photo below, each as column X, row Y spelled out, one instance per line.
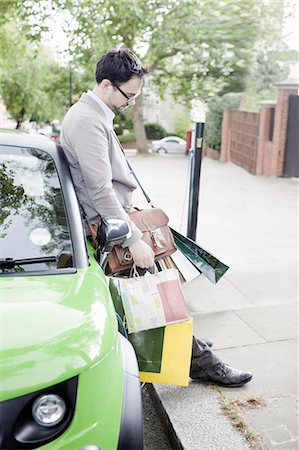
column 176, row 356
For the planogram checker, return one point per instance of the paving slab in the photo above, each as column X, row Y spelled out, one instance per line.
column 225, row 329
column 275, row 283
column 197, row 418
column 274, row 366
column 202, row 296
column 270, row 321
column 277, row 423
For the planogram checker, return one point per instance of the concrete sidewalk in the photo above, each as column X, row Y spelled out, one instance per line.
column 251, row 224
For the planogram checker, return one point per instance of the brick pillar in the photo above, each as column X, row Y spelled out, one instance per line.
column 263, row 137
column 225, row 136
column 285, row 89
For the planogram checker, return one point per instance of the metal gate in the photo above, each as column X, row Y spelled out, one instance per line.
column 291, row 162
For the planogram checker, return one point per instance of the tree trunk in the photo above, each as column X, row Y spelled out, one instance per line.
column 20, row 119
column 141, row 141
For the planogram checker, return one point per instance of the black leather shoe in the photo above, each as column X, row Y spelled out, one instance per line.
column 221, row 374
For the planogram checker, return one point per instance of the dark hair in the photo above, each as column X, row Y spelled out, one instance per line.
column 119, row 66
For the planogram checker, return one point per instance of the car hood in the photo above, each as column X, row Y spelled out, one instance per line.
column 53, row 327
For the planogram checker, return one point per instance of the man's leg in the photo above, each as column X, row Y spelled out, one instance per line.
column 206, row 366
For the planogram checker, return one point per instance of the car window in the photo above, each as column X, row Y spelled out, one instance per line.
column 34, row 230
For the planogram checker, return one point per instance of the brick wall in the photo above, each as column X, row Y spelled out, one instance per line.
column 243, row 139
column 257, row 140
column 280, row 129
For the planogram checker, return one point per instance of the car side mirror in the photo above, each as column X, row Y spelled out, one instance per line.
column 111, row 232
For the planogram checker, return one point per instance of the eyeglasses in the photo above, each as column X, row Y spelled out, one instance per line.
column 128, row 97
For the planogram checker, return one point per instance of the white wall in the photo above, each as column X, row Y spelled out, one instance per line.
column 5, row 120
column 166, row 112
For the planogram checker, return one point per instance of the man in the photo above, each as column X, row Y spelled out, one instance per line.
column 103, row 181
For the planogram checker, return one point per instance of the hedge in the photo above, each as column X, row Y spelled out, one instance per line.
column 130, row 137
column 154, row 131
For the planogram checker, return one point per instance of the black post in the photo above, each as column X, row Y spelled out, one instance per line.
column 196, row 157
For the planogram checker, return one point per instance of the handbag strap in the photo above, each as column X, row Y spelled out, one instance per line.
column 138, row 182
column 133, row 173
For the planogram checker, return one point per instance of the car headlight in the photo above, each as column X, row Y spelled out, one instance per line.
column 48, row 410
column 37, row 418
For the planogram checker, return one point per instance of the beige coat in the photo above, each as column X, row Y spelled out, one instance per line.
column 102, row 179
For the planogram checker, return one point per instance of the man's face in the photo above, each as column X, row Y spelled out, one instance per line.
column 123, row 95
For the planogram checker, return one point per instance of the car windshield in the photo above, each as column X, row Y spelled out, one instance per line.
column 34, row 230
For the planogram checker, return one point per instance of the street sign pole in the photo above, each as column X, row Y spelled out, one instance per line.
column 196, row 157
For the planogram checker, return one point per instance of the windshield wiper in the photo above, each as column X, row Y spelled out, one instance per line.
column 9, row 263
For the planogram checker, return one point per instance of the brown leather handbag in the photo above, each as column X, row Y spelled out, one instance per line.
column 153, row 223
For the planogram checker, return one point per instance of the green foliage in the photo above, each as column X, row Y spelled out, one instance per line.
column 216, row 106
column 268, row 68
column 193, row 48
column 32, row 84
column 154, row 131
column 196, row 48
column 123, row 121
column 183, row 124
column 272, row 59
column 130, row 137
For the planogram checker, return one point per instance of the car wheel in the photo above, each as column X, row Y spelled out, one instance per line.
column 162, row 151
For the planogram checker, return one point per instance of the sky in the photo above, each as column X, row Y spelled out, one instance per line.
column 292, row 27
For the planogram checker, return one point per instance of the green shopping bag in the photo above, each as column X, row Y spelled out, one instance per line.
column 206, row 263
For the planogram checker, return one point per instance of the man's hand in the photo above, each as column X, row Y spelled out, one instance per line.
column 142, row 254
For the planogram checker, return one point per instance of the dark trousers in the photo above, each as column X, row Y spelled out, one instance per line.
column 203, row 355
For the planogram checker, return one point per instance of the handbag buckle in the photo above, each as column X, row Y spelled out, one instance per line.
column 127, row 256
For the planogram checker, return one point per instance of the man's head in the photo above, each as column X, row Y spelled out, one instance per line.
column 119, row 75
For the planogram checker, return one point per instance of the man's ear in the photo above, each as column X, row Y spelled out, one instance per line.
column 106, row 85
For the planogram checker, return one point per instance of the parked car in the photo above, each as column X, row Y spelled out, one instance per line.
column 169, row 144
column 69, row 379
column 51, row 130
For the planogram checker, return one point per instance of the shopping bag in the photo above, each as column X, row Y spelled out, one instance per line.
column 163, row 354
column 175, row 357
column 153, row 300
column 204, row 261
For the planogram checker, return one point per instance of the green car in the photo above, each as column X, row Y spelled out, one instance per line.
column 68, row 378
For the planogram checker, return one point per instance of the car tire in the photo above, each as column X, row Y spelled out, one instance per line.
column 162, row 151
column 131, row 427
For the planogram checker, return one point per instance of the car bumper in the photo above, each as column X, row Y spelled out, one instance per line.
column 108, row 411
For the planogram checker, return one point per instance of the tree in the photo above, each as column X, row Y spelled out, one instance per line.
column 34, row 88
column 272, row 59
column 194, row 48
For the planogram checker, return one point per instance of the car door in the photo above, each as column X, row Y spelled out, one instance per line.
column 173, row 145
